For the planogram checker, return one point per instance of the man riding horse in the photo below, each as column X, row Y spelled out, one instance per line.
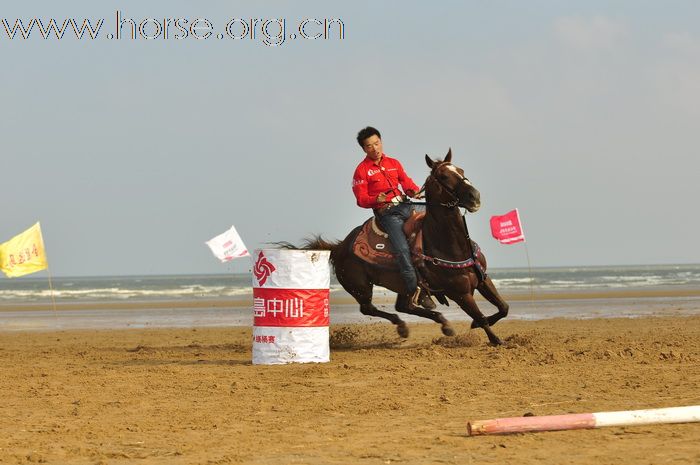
column 377, row 184
column 451, row 264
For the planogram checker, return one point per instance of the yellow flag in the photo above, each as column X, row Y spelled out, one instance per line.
column 24, row 253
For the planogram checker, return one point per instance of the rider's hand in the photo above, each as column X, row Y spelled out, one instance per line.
column 381, row 198
column 413, row 194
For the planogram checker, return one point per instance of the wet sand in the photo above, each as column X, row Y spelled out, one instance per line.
column 381, row 297
column 186, row 313
column 191, row 396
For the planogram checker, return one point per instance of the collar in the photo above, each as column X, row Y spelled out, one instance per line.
column 379, row 163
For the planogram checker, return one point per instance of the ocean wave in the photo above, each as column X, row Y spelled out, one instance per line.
column 232, row 286
column 512, row 281
column 121, row 293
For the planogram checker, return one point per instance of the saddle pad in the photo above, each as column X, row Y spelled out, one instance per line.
column 373, row 245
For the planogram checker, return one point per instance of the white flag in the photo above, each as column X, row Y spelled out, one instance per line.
column 228, row 246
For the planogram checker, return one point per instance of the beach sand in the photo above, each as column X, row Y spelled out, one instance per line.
column 191, row 396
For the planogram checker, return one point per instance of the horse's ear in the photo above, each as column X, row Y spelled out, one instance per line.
column 448, row 158
column 429, row 161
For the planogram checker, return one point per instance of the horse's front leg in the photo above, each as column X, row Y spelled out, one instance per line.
column 468, row 304
column 403, row 307
column 488, row 290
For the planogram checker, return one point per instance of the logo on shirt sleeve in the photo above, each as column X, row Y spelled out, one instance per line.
column 357, row 182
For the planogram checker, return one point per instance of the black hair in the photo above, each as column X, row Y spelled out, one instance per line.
column 365, row 134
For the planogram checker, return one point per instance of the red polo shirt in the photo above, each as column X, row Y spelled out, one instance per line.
column 371, row 179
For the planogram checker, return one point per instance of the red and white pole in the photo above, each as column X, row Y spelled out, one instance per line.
column 687, row 414
column 290, row 306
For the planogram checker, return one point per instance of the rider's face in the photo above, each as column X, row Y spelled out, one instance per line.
column 373, row 147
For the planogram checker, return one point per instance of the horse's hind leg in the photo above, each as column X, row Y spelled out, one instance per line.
column 468, row 304
column 367, row 308
column 437, row 317
column 353, row 276
column 488, row 290
column 363, row 295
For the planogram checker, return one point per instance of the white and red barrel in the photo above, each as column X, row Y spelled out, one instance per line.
column 291, row 312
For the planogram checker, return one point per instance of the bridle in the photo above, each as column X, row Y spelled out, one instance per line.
column 452, row 192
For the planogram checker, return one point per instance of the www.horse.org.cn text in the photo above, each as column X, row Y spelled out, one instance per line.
column 271, row 32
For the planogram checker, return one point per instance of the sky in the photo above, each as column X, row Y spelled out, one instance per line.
column 133, row 153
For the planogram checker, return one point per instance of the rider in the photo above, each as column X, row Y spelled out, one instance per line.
column 376, row 185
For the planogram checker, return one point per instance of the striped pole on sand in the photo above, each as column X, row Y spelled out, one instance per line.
column 585, row 420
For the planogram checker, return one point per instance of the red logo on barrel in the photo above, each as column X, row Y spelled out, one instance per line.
column 263, row 269
column 290, row 307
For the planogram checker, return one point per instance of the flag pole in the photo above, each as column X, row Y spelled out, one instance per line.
column 527, row 255
column 53, row 298
column 508, row 230
column 529, row 268
column 48, row 270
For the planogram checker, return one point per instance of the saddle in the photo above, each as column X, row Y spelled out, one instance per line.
column 372, row 244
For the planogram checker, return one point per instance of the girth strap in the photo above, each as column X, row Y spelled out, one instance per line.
column 472, row 261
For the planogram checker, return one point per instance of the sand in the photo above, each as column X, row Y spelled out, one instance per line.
column 191, row 396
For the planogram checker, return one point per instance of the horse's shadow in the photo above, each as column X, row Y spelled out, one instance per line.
column 386, row 345
column 159, row 362
column 195, row 350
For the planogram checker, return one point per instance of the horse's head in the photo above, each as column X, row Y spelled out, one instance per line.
column 447, row 185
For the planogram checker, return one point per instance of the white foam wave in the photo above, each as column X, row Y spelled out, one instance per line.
column 213, row 287
column 121, row 294
column 512, row 281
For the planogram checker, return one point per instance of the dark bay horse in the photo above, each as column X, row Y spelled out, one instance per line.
column 449, row 257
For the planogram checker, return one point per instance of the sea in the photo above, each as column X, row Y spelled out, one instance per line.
column 31, row 292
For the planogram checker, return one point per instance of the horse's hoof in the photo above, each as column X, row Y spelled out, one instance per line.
column 402, row 329
column 447, row 330
column 496, row 341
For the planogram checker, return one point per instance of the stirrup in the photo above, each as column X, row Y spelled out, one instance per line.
column 425, row 301
column 414, row 300
column 421, row 299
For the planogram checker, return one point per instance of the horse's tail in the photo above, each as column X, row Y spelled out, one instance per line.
column 318, row 243
column 337, row 249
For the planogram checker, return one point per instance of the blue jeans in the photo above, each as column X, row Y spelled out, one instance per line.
column 392, row 220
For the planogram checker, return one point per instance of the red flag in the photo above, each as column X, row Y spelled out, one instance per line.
column 507, row 228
